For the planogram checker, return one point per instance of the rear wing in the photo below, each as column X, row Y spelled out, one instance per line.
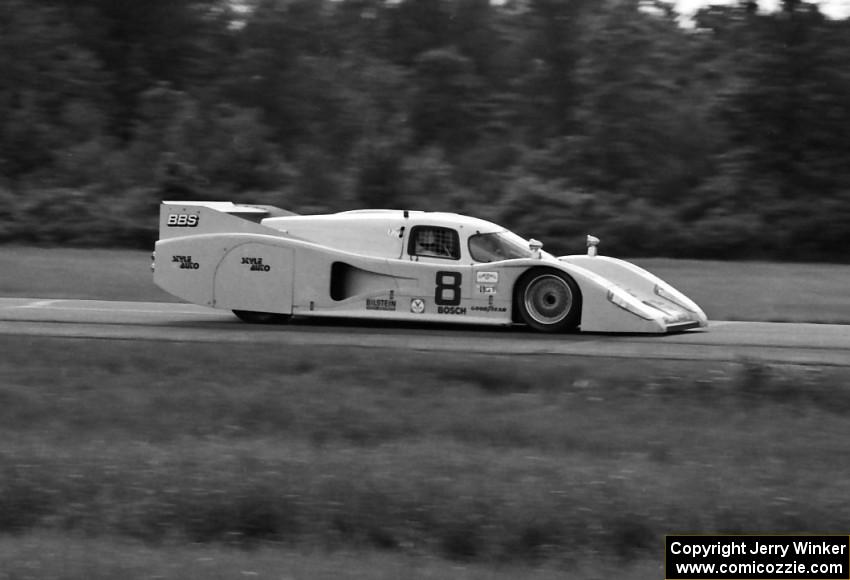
column 181, row 218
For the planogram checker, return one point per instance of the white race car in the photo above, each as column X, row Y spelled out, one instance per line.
column 266, row 264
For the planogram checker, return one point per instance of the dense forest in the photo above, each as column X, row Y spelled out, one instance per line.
column 725, row 136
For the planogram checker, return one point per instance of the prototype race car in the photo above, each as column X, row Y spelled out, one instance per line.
column 266, row 264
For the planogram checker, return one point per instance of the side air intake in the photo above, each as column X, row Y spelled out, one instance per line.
column 348, row 281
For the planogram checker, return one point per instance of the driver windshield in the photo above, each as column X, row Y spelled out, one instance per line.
column 498, row 246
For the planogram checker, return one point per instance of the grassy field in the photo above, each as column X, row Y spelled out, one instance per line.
column 190, row 460
column 158, row 456
column 725, row 290
column 44, row 556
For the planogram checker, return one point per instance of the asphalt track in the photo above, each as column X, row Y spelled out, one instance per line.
column 807, row 344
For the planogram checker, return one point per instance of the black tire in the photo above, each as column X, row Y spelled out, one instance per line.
column 548, row 301
column 261, row 317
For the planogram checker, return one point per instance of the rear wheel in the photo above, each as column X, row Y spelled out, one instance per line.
column 549, row 301
column 261, row 317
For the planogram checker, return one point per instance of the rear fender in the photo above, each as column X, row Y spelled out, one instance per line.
column 230, row 271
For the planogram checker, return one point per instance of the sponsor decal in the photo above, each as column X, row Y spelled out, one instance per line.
column 490, row 308
column 256, row 264
column 487, row 278
column 380, row 304
column 185, row 262
column 486, row 282
column 417, row 306
column 461, row 310
column 183, row 220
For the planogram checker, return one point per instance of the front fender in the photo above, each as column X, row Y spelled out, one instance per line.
column 622, row 297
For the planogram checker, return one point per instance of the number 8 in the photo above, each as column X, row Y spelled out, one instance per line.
column 453, row 286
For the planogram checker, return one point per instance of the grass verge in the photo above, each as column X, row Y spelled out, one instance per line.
column 48, row 556
column 537, row 462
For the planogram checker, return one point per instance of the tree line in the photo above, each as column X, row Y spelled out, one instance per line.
column 721, row 137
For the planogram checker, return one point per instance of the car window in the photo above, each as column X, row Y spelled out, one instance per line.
column 434, row 242
column 497, row 246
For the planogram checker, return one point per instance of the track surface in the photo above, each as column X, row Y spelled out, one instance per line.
column 723, row 341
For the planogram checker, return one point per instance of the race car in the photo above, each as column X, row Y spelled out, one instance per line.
column 267, row 265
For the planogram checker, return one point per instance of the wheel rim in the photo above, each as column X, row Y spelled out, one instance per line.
column 548, row 299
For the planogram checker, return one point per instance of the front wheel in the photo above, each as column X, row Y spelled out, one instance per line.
column 261, row 317
column 549, row 301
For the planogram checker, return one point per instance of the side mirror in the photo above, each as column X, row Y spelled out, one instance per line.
column 592, row 242
column 535, row 247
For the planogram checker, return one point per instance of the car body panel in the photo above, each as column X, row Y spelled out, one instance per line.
column 364, row 264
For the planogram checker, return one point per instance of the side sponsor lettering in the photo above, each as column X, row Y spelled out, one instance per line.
column 380, row 304
column 459, row 310
column 486, row 282
column 185, row 262
column 489, row 309
column 256, row 264
column 487, row 278
column 183, row 220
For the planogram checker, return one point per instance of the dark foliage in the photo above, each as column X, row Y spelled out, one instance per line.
column 722, row 137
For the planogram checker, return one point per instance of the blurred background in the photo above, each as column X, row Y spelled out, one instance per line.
column 718, row 131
